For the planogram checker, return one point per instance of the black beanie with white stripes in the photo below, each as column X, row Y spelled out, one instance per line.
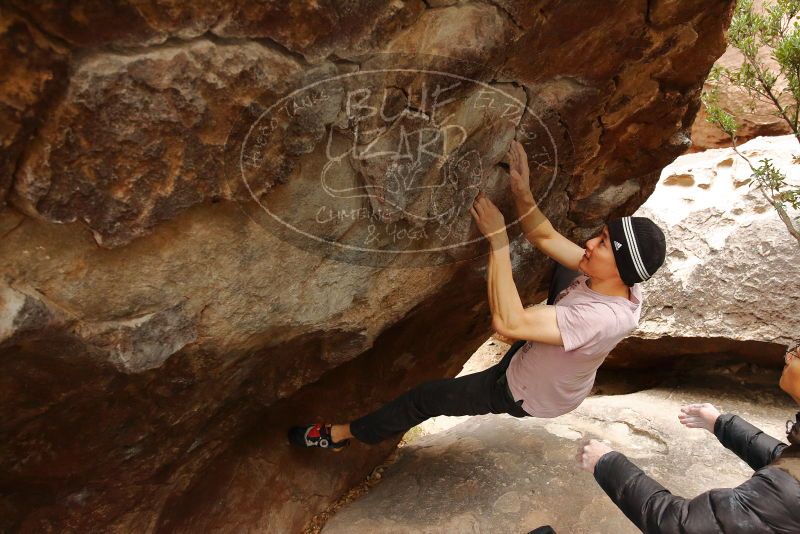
column 639, row 247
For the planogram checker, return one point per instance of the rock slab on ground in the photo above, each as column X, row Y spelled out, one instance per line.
column 729, row 283
column 495, row 473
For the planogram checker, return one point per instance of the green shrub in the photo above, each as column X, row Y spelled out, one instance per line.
column 778, row 30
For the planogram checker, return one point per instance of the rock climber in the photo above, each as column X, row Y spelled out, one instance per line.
column 552, row 367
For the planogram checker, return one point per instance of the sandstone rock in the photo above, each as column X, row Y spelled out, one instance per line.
column 165, row 305
column 730, row 280
column 312, row 29
column 168, row 124
column 149, row 133
column 755, row 118
column 32, row 72
column 589, row 91
column 21, row 313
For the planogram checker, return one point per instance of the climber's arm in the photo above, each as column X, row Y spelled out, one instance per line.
column 509, row 318
column 541, row 233
column 535, row 226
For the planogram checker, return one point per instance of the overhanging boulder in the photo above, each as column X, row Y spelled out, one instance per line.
column 166, row 310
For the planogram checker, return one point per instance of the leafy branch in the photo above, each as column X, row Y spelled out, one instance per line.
column 750, row 32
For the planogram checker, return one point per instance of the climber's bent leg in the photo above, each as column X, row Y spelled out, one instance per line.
column 475, row 394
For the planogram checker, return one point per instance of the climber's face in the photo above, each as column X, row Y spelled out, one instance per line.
column 598, row 258
column 790, row 377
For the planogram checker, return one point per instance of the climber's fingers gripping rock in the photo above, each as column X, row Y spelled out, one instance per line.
column 520, row 172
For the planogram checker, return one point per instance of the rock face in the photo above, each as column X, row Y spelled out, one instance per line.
column 222, row 220
column 33, row 72
column 730, row 280
column 755, row 118
column 500, row 474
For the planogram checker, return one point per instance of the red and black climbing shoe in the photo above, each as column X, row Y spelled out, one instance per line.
column 316, row 435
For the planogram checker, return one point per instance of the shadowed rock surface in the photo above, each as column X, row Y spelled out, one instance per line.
column 174, row 294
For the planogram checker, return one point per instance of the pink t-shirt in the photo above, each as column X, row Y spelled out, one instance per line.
column 553, row 380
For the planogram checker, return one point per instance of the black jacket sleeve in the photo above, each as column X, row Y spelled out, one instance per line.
column 746, row 441
column 768, row 502
column 648, row 504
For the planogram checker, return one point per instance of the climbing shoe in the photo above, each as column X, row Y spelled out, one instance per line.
column 316, row 435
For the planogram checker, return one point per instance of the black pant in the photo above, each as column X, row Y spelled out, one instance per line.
column 474, row 394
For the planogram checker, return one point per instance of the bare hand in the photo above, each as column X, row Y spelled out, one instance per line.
column 489, row 219
column 699, row 416
column 520, row 173
column 590, row 453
